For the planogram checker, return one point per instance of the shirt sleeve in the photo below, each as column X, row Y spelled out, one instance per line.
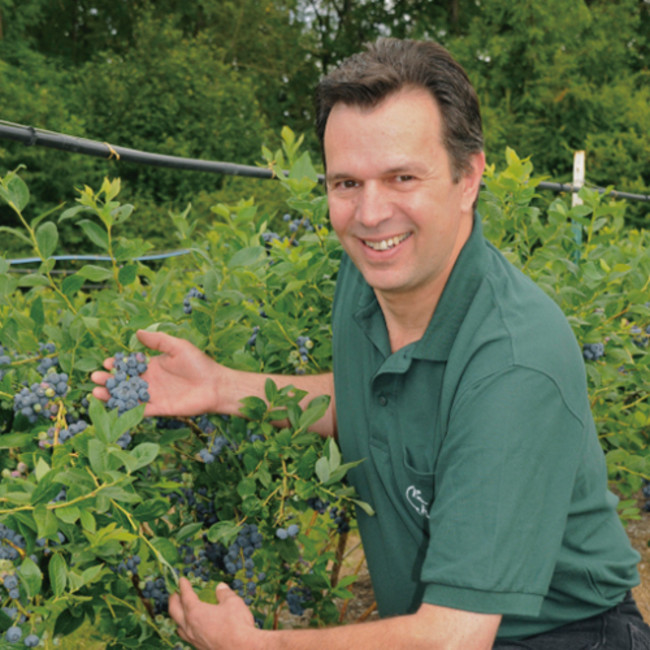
column 503, row 485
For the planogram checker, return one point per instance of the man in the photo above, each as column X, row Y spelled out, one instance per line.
column 455, row 377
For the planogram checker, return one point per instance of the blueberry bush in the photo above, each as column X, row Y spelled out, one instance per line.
column 598, row 271
column 102, row 509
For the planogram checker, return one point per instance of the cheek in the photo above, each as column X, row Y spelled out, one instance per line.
column 339, row 216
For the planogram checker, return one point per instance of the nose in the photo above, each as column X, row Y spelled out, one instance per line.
column 373, row 205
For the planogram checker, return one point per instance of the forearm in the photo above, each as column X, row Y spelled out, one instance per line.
column 432, row 628
column 234, row 385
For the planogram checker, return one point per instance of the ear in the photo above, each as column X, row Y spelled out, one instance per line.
column 471, row 181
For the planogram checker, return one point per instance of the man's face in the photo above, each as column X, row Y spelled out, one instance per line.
column 392, row 201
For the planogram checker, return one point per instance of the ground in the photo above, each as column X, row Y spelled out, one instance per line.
column 639, row 534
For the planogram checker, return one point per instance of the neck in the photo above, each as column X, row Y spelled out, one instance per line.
column 406, row 317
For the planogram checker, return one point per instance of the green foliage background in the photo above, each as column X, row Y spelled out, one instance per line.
column 218, row 79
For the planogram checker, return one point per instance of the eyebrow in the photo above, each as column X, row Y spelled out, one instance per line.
column 413, row 168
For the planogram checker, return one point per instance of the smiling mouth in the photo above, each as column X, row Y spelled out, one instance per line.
column 386, row 244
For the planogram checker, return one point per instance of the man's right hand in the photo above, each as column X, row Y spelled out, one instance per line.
column 183, row 381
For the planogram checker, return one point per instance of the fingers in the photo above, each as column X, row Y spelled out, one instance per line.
column 182, row 601
column 175, row 608
column 101, row 393
column 157, row 340
column 100, row 377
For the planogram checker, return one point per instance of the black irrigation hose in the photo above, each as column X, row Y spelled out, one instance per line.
column 31, row 136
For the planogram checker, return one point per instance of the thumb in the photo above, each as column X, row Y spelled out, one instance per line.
column 224, row 592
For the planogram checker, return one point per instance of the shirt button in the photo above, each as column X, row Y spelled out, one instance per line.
column 383, row 400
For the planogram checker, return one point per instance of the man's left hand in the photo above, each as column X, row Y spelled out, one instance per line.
column 229, row 624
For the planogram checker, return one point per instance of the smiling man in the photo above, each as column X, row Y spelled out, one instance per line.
column 456, row 379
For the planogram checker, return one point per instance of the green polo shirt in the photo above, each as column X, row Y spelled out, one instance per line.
column 481, row 456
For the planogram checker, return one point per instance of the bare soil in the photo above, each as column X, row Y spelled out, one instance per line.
column 639, row 534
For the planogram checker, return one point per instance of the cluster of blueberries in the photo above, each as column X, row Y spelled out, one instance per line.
column 296, row 223
column 640, row 338
column 36, row 400
column 240, row 556
column 156, row 590
column 195, row 293
column 48, row 360
column 126, row 388
column 10, row 543
column 338, row 515
column 289, row 532
column 64, row 434
column 5, row 360
column 300, row 357
column 14, row 634
column 210, row 454
column 297, row 598
column 593, row 351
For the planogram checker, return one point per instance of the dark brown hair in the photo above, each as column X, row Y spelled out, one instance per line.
column 388, row 65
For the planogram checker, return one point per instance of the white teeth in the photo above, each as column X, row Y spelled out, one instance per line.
column 385, row 244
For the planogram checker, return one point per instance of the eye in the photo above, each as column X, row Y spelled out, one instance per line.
column 345, row 184
column 403, row 178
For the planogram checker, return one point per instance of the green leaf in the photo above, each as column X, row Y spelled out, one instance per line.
column 68, row 514
column 87, row 520
column 13, row 440
column 41, row 469
column 72, row 212
column 270, row 390
column 72, row 284
column 47, row 238
column 224, row 532
column 122, row 213
column 303, row 168
column 145, row 453
column 188, row 531
column 100, row 419
column 314, row 412
column 366, row 507
column 127, row 421
column 15, row 192
column 152, row 509
column 95, row 273
column 247, row 257
column 58, row 573
column 31, row 577
column 94, row 232
column 322, row 469
column 166, row 548
column 97, row 455
column 127, row 274
column 246, row 487
column 46, row 523
column 16, row 233
column 37, row 314
column 334, row 454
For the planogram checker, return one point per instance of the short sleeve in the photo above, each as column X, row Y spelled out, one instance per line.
column 504, row 479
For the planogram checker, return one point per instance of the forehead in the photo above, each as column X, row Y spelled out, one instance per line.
column 405, row 126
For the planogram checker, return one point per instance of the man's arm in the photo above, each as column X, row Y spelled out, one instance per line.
column 183, row 381
column 230, row 625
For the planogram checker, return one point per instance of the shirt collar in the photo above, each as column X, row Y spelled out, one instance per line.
column 456, row 298
column 450, row 312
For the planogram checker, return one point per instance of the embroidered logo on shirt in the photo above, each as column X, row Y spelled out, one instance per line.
column 414, row 497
